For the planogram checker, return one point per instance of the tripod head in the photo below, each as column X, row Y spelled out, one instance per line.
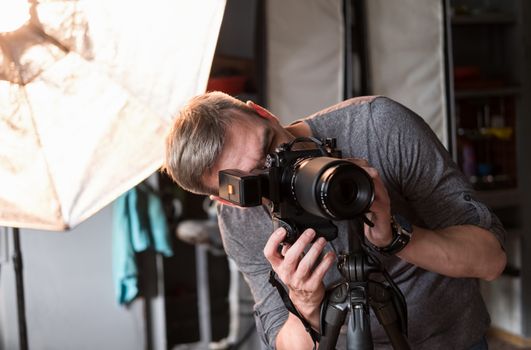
column 357, row 293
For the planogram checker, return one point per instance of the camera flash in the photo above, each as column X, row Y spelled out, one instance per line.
column 230, row 189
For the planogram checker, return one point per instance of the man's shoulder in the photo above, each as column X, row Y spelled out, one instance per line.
column 352, row 103
column 365, row 112
column 362, row 106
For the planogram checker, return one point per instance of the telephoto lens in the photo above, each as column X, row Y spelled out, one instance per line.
column 331, row 188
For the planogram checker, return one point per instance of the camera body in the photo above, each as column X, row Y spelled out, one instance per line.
column 307, row 188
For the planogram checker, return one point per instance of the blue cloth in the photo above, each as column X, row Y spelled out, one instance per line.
column 139, row 224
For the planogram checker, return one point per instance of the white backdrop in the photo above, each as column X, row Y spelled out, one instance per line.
column 305, row 56
column 406, row 54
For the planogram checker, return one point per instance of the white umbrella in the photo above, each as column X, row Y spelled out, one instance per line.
column 87, row 91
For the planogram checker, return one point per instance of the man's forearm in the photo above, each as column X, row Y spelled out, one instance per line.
column 456, row 251
column 293, row 336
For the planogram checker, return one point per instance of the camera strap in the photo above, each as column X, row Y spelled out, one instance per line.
column 291, row 308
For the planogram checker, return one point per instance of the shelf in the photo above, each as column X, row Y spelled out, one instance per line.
column 502, row 133
column 486, row 18
column 487, row 92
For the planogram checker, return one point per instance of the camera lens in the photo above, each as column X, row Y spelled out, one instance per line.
column 344, row 191
column 332, row 188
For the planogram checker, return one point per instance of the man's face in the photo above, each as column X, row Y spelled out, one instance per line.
column 249, row 139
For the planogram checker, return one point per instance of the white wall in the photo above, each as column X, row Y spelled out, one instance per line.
column 69, row 292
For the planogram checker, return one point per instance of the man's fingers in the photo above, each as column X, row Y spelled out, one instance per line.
column 285, row 248
column 320, row 270
column 293, row 254
column 308, row 261
column 271, row 248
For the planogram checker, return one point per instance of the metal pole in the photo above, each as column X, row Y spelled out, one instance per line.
column 203, row 295
column 21, row 308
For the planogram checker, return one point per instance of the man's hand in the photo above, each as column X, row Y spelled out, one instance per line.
column 380, row 235
column 301, row 273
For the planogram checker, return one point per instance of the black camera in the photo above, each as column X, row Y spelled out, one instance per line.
column 307, row 188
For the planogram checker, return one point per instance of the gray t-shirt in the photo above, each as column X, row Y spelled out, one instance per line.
column 425, row 187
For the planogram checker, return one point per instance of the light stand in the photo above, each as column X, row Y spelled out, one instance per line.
column 21, row 308
column 356, row 294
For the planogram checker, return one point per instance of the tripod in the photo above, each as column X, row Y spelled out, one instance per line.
column 356, row 294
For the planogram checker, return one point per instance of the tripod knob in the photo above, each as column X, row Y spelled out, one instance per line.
column 339, row 294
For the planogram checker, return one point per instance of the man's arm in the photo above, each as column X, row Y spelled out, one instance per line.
column 461, row 237
column 292, row 335
column 456, row 251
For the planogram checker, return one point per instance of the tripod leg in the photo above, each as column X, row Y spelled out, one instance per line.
column 359, row 335
column 387, row 313
column 333, row 314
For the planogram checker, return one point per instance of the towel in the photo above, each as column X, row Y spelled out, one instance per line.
column 139, row 223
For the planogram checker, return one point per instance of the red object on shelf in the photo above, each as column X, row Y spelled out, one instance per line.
column 231, row 85
column 469, row 77
column 466, row 73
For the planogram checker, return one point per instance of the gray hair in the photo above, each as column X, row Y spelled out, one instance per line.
column 196, row 138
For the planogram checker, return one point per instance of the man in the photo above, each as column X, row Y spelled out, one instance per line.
column 454, row 240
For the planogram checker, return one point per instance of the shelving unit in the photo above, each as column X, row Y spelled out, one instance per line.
column 490, row 92
column 486, row 90
column 488, row 48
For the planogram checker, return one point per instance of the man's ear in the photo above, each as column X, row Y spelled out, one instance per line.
column 261, row 111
